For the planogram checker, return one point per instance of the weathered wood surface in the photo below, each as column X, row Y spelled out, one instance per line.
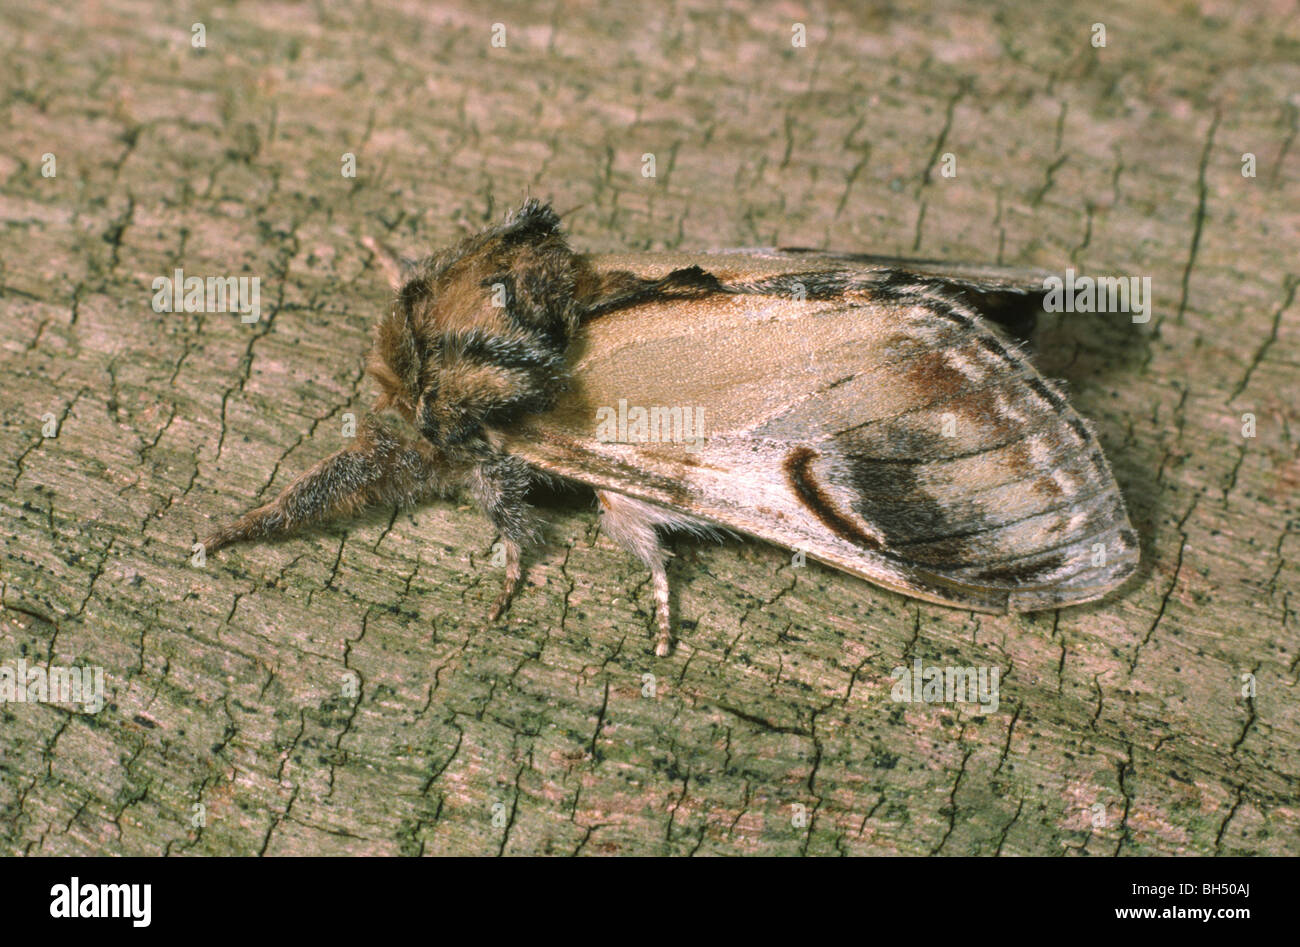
column 226, row 684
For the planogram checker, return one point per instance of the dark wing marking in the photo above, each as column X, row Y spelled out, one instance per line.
column 797, row 468
column 983, row 276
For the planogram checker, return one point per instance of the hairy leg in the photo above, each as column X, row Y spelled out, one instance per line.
column 499, row 484
column 633, row 524
column 514, row 573
column 381, row 467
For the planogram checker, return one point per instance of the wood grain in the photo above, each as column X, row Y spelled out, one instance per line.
column 1122, row 727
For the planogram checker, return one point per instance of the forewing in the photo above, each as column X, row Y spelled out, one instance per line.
column 863, row 414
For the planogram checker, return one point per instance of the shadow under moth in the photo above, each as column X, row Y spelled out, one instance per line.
column 866, row 411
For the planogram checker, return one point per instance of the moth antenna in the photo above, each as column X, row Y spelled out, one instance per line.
column 396, row 268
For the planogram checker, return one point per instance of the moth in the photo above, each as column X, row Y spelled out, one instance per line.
column 869, row 412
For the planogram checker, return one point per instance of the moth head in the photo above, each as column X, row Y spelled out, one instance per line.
column 474, row 332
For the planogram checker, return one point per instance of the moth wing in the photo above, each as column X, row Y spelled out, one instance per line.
column 883, row 429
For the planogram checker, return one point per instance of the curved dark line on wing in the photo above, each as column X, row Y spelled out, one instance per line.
column 798, row 472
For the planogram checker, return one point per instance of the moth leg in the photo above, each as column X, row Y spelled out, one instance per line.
column 631, row 523
column 664, row 640
column 380, row 467
column 499, row 485
column 514, row 572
